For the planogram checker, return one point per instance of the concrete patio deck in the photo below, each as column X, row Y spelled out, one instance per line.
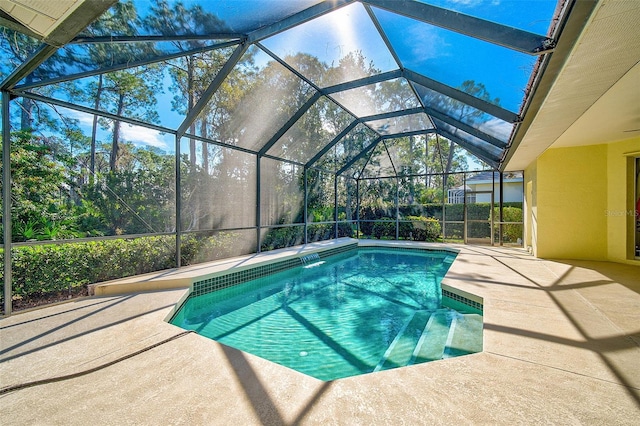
column 561, row 346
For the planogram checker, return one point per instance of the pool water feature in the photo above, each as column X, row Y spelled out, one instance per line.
column 361, row 311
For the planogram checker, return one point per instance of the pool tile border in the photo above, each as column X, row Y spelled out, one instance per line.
column 463, row 300
column 227, row 280
column 234, row 278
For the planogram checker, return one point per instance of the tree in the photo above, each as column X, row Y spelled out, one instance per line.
column 40, row 189
column 15, row 49
column 460, row 112
column 139, row 197
column 118, row 20
column 191, row 74
column 131, row 93
column 352, row 64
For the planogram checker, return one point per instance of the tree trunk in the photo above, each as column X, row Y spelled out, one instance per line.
column 205, row 146
column 115, row 142
column 412, row 188
column 448, row 166
column 26, row 119
column 191, row 103
column 347, row 208
column 427, row 177
column 94, row 131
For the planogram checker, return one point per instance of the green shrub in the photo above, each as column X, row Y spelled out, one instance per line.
column 40, row 270
column 276, row 238
column 420, row 228
column 346, row 229
column 384, row 228
column 288, row 236
column 320, row 214
column 511, row 231
column 196, row 248
column 320, row 232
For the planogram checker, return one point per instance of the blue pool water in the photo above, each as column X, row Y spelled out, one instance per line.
column 361, row 311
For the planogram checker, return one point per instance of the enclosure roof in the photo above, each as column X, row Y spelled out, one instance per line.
column 467, row 71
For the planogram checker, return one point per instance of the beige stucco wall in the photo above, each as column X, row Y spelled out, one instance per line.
column 530, row 214
column 620, row 199
column 579, row 202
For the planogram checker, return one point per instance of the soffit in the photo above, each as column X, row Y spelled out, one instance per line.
column 41, row 17
column 615, row 116
column 595, row 97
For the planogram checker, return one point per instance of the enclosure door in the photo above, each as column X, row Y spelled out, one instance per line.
column 478, row 217
column 636, row 211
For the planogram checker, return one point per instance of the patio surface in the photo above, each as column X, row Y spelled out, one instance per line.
column 561, row 346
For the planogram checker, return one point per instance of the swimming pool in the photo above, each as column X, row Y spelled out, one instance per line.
column 360, row 311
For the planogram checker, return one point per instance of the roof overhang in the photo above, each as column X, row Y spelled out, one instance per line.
column 53, row 22
column 592, row 90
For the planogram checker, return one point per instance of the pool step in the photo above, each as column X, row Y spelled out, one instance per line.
column 434, row 337
column 465, row 336
column 400, row 350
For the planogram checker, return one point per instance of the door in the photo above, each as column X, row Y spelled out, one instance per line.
column 478, row 217
column 636, row 211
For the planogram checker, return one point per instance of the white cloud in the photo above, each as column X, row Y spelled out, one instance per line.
column 427, row 43
column 474, row 3
column 136, row 134
column 142, row 135
column 84, row 120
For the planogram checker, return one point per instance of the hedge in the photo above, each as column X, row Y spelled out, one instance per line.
column 45, row 269
column 511, row 232
column 420, row 229
column 416, row 228
column 455, row 212
column 40, row 270
column 288, row 236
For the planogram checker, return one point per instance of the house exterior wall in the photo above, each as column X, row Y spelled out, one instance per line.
column 579, row 202
column 512, row 192
column 620, row 200
column 530, row 213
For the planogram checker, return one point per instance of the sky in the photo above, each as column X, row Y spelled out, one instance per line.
column 437, row 53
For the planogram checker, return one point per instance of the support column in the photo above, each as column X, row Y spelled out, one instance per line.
column 6, row 202
column 306, row 205
column 464, row 207
column 444, row 198
column 501, row 216
column 258, row 218
column 358, row 209
column 335, row 205
column 397, row 210
column 178, row 188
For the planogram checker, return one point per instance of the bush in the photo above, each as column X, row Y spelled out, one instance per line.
column 346, row 229
column 41, row 270
column 320, row 232
column 276, row 238
column 511, row 231
column 416, row 228
column 288, row 236
column 196, row 248
column 420, row 228
column 384, row 228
